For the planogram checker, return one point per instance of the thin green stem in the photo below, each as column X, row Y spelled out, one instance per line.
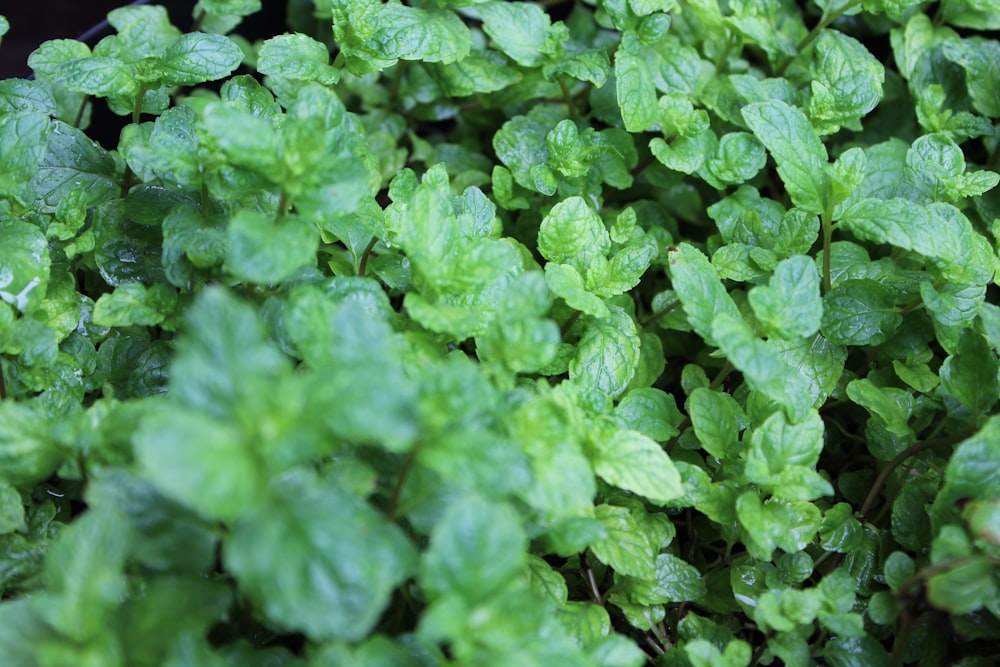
column 129, row 177
column 570, row 321
column 198, row 20
column 363, row 264
column 3, row 385
column 283, row 204
column 397, row 80
column 827, row 224
column 79, row 112
column 397, row 491
column 939, row 14
column 721, row 376
column 567, row 96
column 883, row 476
column 938, row 568
column 658, row 315
column 912, row 306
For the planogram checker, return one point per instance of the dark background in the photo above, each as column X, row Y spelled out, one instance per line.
column 34, row 21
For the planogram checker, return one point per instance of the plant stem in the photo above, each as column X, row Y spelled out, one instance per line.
column 363, row 264
column 721, row 376
column 283, row 203
column 595, row 592
column 655, row 317
column 895, row 463
column 397, row 491
column 3, row 385
column 570, row 321
column 567, row 96
column 198, row 20
column 81, row 111
column 943, row 566
column 827, row 225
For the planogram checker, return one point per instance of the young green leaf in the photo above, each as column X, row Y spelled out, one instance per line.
column 846, row 82
column 859, row 312
column 476, row 548
column 607, row 355
column 573, row 233
column 264, row 251
column 762, row 366
column 633, row 462
column 297, row 57
column 781, row 457
column 717, row 420
column 634, row 85
column 790, row 305
column 699, row 289
column 519, row 29
column 318, row 560
column 797, row 150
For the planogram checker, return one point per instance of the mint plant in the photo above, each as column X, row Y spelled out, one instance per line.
column 602, row 333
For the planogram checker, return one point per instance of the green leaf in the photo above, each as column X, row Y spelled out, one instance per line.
column 763, row 368
column 788, row 525
column 132, row 303
column 607, row 355
column 225, row 360
column 74, row 163
column 938, row 231
column 859, row 312
column 840, row 530
column 790, row 305
column 567, row 283
column 846, row 82
column 365, row 393
column 979, row 58
column 264, row 251
column 11, row 509
column 297, row 57
column 898, row 568
column 101, row 77
column 738, row 159
column 818, row 360
column 572, row 233
column 675, row 580
column 650, row 411
column 796, row 148
column 317, row 560
column 196, row 57
column 970, row 375
column 635, row 463
column 476, row 549
column 717, row 420
column 84, row 574
column 964, row 587
column 378, row 34
column 231, row 7
column 634, row 86
column 893, row 407
column 24, row 265
column 781, row 457
column 519, row 29
column 699, row 289
column 22, row 146
column 203, row 463
column 627, row 547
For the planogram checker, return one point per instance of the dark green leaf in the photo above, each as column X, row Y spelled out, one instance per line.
column 318, row 560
